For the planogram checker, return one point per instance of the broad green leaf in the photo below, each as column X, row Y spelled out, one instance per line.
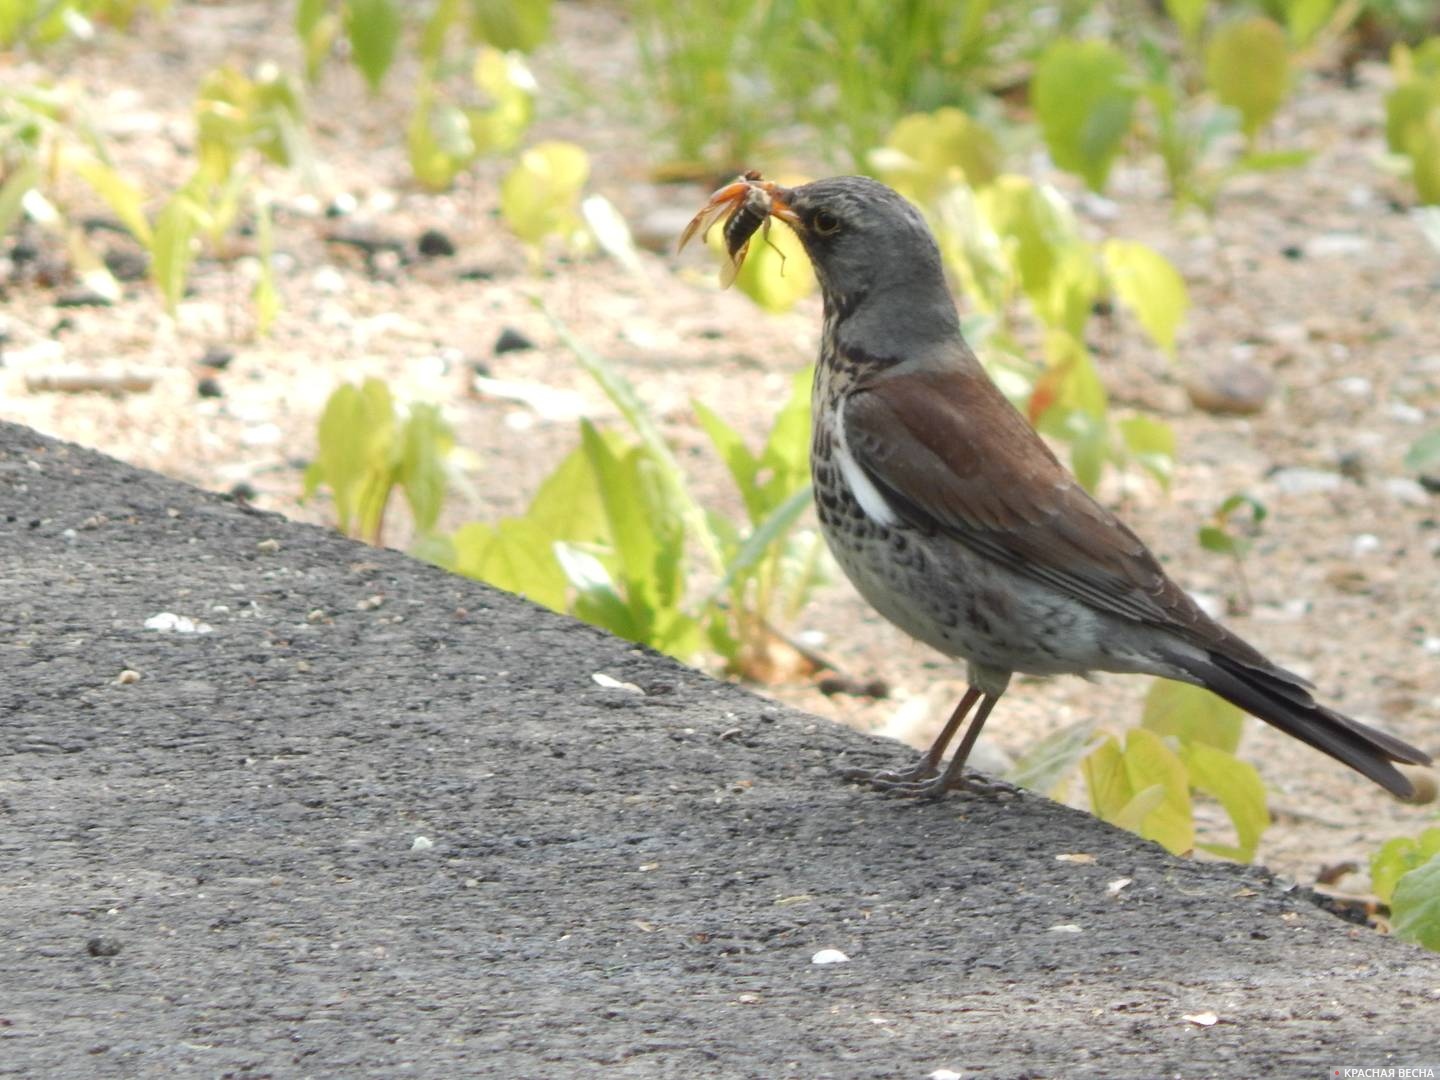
column 1149, row 285
column 1237, row 787
column 504, row 80
column 1084, row 94
column 1424, row 452
column 1247, row 65
column 316, row 27
column 1042, row 243
column 622, row 395
column 1306, row 18
column 512, row 556
column 511, row 24
column 1213, row 538
column 1189, row 15
column 1415, row 907
column 440, row 140
column 1144, row 786
column 426, row 441
column 925, row 153
column 974, row 250
column 1398, row 857
column 1193, row 715
column 567, row 505
column 1406, row 108
column 1425, row 158
column 1046, row 764
column 596, row 599
column 13, row 191
column 374, row 28
column 357, row 455
column 1152, row 444
column 123, row 197
column 540, row 196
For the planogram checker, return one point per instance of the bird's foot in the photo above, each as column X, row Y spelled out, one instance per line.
column 922, row 781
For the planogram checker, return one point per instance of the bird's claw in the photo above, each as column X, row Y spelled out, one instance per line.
column 922, row 781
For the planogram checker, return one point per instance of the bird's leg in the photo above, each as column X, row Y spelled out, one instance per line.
column 929, row 765
column 933, row 786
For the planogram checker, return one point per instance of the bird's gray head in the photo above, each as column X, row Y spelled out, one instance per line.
column 878, row 264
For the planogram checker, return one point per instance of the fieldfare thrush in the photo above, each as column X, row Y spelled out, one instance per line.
column 954, row 519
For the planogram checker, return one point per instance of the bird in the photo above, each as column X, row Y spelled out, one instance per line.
column 956, row 521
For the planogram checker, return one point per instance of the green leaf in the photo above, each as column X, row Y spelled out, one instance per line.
column 596, row 599
column 374, row 28
column 507, row 83
column 1424, row 452
column 1152, row 444
column 540, row 196
column 426, row 441
column 1213, row 538
column 1143, row 787
column 1306, row 18
column 1238, row 788
column 739, row 461
column 266, row 295
column 925, row 153
column 511, row 24
column 123, row 197
column 1084, row 94
column 14, row 190
column 786, row 454
column 513, row 555
column 439, row 139
column 1271, row 161
column 1398, row 857
column 357, row 456
column 172, row 248
column 1247, row 65
column 1193, row 715
column 622, row 395
column 1189, row 15
column 567, row 505
column 1149, row 285
column 1415, row 907
column 763, row 538
column 1044, row 766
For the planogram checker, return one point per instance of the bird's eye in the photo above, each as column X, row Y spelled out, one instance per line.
column 825, row 223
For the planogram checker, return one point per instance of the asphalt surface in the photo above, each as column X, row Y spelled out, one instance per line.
column 380, row 821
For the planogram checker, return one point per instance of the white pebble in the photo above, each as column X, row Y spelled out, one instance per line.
column 829, row 956
column 421, row 843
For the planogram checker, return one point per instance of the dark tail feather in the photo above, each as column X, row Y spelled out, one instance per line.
column 1278, row 698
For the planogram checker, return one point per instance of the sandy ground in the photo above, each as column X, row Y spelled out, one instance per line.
column 1318, row 277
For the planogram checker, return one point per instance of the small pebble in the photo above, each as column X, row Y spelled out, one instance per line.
column 1301, row 481
column 421, row 843
column 829, row 956
column 268, row 547
column 1410, row 492
column 1238, row 388
column 434, row 243
column 217, row 357
column 102, row 946
column 126, row 677
column 511, row 340
column 209, row 387
column 81, row 297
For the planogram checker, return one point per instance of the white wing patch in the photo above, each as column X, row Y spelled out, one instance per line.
column 861, row 486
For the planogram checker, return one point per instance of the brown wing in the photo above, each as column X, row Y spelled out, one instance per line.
column 952, row 456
